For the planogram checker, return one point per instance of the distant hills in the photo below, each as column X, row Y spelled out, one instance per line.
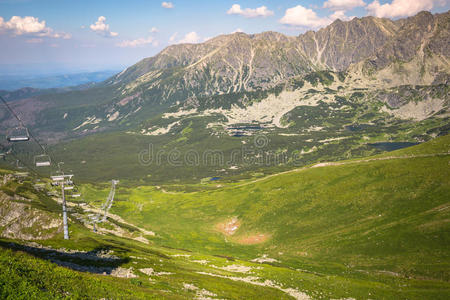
column 15, row 82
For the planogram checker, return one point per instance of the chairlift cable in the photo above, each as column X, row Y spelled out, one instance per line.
column 25, row 165
column 22, row 124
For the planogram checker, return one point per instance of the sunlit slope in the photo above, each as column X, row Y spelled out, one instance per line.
column 376, row 228
column 384, row 214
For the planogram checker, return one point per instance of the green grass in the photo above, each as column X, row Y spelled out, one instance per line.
column 357, row 220
column 375, row 229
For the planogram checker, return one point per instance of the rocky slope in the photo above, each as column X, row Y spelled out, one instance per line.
column 369, row 53
column 237, row 62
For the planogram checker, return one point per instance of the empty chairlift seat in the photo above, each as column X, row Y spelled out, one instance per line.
column 75, row 193
column 18, row 134
column 42, row 160
column 57, row 177
column 21, row 174
column 68, row 185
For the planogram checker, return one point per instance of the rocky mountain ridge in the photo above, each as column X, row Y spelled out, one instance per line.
column 364, row 53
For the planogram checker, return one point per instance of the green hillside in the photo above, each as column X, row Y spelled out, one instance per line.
column 383, row 213
column 375, row 227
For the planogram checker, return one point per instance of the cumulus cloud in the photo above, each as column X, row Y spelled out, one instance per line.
column 300, row 16
column 138, row 42
column 303, row 17
column 190, row 38
column 340, row 14
column 262, row 11
column 29, row 26
column 343, row 4
column 101, row 28
column 399, row 8
column 154, row 30
column 167, row 4
column 237, row 30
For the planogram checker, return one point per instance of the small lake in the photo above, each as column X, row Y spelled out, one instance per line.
column 391, row 146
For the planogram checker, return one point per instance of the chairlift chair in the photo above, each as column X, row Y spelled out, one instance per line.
column 21, row 174
column 57, row 176
column 42, row 160
column 18, row 134
column 39, row 187
column 75, row 193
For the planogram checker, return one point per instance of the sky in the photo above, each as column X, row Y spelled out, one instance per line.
column 51, row 36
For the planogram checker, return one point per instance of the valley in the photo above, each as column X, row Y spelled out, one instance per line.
column 244, row 166
column 317, row 232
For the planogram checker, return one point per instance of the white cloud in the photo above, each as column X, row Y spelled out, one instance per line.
column 300, row 16
column 250, row 12
column 30, row 26
column 154, row 30
column 343, row 4
column 399, row 8
column 190, row 38
column 101, row 28
column 167, row 4
column 237, row 30
column 303, row 17
column 340, row 14
column 138, row 42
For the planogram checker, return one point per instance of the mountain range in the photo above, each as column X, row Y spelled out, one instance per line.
column 390, row 75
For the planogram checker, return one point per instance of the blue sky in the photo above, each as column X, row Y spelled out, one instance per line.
column 100, row 34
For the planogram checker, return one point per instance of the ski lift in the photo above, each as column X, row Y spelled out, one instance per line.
column 57, row 177
column 19, row 165
column 39, row 185
column 18, row 134
column 42, row 160
column 21, row 174
column 75, row 193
